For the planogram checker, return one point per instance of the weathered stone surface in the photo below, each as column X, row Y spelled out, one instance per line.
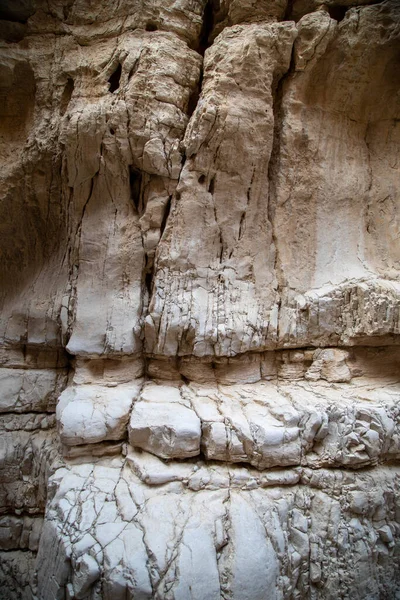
column 334, row 174
column 272, row 424
column 15, row 574
column 201, row 543
column 199, row 300
column 163, row 423
column 20, row 532
column 214, row 292
column 88, row 414
column 28, row 448
column 23, row 390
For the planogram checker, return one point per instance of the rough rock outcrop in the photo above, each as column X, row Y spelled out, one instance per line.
column 200, row 300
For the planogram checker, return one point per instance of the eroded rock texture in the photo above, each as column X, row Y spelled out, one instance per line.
column 200, row 300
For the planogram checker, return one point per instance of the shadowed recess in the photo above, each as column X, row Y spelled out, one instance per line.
column 115, row 79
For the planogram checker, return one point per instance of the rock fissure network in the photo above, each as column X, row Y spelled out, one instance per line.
column 200, row 300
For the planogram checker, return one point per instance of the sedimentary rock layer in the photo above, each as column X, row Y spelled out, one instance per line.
column 199, row 299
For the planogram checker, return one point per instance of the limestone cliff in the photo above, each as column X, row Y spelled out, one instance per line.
column 200, row 299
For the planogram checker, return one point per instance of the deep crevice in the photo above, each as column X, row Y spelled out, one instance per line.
column 17, row 12
column 289, row 9
column 18, row 548
column 185, row 379
column 151, row 27
column 207, row 27
column 148, row 281
column 221, row 252
column 167, row 210
column 114, row 79
column 241, row 225
column 135, row 182
column 338, row 12
column 148, row 275
column 211, row 186
column 273, row 167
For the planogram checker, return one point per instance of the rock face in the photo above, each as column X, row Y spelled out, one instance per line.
column 200, row 300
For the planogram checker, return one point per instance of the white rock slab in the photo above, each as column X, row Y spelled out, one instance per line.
column 169, row 430
column 89, row 414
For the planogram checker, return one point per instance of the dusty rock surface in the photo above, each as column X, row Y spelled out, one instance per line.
column 199, row 300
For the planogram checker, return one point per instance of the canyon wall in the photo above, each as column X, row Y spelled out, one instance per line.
column 200, row 300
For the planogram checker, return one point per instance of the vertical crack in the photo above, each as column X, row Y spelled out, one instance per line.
column 273, row 170
column 208, row 26
column 115, row 78
column 149, row 275
column 167, row 210
column 224, row 551
column 74, row 257
column 135, row 182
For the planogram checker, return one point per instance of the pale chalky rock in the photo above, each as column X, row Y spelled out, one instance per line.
column 90, row 414
column 198, row 475
column 214, row 292
column 270, row 425
column 335, row 524
column 161, row 423
column 242, row 430
column 333, row 176
column 116, row 143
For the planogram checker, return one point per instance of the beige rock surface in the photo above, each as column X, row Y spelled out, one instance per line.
column 199, row 300
column 224, row 300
